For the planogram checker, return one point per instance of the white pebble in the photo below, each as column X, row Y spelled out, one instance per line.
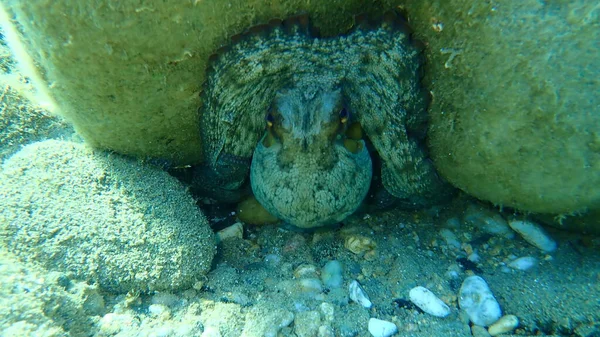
column 489, row 221
column 157, row 309
column 381, row 328
column 234, row 231
column 450, row 238
column 505, row 324
column 477, row 300
column 358, row 294
column 428, row 302
column 534, row 234
column 523, row 263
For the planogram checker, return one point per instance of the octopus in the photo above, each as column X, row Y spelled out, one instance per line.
column 304, row 117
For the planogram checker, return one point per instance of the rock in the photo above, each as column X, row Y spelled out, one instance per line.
column 331, row 274
column 34, row 302
column 235, row 231
column 506, row 323
column 381, row 328
column 534, row 234
column 306, row 323
column 358, row 294
column 507, row 124
column 477, row 300
column 106, row 219
column 450, row 238
column 428, row 302
column 141, row 96
column 523, row 263
column 251, row 211
column 488, row 221
column 479, row 331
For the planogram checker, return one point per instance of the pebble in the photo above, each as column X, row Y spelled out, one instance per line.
column 505, row 324
column 489, row 221
column 359, row 244
column 311, row 286
column 534, row 234
column 331, row 274
column 358, row 294
column 428, row 302
column 479, row 331
column 450, row 238
column 523, row 263
column 306, row 323
column 232, row 232
column 381, row 328
column 477, row 300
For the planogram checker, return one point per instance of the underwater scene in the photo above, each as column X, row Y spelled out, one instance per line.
column 299, row 168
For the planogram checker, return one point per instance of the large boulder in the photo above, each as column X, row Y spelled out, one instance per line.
column 103, row 218
column 128, row 74
column 515, row 115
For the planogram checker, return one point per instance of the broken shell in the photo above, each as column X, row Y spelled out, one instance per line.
column 359, row 244
column 358, row 294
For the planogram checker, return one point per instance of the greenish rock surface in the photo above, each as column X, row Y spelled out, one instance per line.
column 34, row 302
column 106, row 219
column 515, row 116
column 128, row 73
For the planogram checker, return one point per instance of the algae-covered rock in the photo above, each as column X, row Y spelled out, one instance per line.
column 34, row 302
column 106, row 219
column 128, row 73
column 515, row 116
column 22, row 122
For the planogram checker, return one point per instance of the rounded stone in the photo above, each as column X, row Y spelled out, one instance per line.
column 106, row 219
column 128, row 75
column 514, row 118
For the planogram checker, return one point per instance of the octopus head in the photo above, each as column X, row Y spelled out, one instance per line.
column 311, row 167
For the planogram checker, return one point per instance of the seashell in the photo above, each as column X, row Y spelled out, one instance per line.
column 359, row 244
column 358, row 294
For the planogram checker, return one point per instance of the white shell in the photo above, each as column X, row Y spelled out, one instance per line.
column 477, row 300
column 534, row 234
column 381, row 328
column 358, row 294
column 505, row 324
column 428, row 302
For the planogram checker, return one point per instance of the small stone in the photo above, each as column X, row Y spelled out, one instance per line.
column 479, row 331
column 523, row 263
column 505, row 324
column 158, row 310
column 306, row 270
column 359, row 244
column 311, row 286
column 327, row 311
column 326, row 331
column 235, row 231
column 331, row 274
column 489, row 221
column 534, row 234
column 381, row 328
column 477, row 300
column 306, row 323
column 428, row 302
column 358, row 294
column 450, row 238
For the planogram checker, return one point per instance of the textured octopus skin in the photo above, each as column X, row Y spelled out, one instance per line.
column 277, row 104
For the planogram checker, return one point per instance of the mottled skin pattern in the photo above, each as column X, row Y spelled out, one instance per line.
column 280, row 83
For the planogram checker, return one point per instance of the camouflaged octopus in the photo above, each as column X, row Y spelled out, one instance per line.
column 293, row 111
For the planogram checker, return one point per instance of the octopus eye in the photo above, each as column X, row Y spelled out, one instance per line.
column 269, row 119
column 344, row 115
